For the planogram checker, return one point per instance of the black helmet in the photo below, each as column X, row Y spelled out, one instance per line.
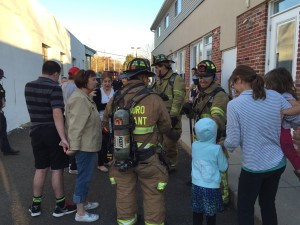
column 161, row 58
column 137, row 66
column 206, row 68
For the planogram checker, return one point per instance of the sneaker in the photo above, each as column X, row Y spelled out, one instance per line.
column 73, row 171
column 67, row 209
column 87, row 217
column 91, row 205
column 102, row 168
column 35, row 210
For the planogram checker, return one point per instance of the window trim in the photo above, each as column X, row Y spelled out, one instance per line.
column 167, row 21
column 178, row 7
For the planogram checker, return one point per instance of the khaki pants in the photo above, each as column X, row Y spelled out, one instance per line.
column 149, row 173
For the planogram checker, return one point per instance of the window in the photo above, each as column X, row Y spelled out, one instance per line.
column 177, row 7
column 166, row 21
column 181, row 64
column 282, row 5
column 208, row 40
column 73, row 61
column 45, row 52
column 158, row 32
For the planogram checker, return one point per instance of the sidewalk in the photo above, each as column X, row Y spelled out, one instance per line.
column 287, row 202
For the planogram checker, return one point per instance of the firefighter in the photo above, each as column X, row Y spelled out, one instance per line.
column 171, row 88
column 211, row 102
column 142, row 164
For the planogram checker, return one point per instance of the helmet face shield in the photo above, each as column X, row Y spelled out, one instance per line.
column 201, row 68
column 206, row 68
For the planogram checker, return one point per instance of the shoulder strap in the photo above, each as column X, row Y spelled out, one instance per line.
column 171, row 82
column 172, row 79
column 211, row 96
column 217, row 90
column 132, row 103
column 135, row 100
column 119, row 95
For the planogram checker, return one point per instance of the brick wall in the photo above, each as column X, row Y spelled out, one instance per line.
column 251, row 38
column 216, row 53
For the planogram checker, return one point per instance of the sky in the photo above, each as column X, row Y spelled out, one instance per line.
column 111, row 26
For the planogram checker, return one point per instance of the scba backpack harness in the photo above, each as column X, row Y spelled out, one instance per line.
column 171, row 82
column 122, row 125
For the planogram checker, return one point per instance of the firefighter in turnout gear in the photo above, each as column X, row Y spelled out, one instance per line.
column 151, row 119
column 211, row 102
column 171, row 87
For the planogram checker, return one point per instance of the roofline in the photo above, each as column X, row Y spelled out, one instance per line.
column 163, row 10
column 90, row 49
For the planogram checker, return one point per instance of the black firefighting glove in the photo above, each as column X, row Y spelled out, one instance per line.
column 187, row 108
column 174, row 121
column 173, row 135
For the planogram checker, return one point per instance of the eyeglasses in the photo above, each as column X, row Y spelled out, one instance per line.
column 160, row 65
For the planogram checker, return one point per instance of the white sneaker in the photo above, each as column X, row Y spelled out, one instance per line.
column 87, row 217
column 91, row 205
column 102, row 168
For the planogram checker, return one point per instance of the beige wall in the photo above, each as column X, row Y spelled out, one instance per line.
column 208, row 16
column 26, row 24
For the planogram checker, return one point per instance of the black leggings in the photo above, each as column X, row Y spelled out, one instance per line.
column 198, row 219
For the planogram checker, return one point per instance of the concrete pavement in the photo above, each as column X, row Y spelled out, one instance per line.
column 16, row 174
column 287, row 201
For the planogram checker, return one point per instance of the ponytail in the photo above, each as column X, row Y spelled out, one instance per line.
column 257, row 86
column 248, row 75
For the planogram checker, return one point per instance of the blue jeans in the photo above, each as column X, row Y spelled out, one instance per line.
column 86, row 163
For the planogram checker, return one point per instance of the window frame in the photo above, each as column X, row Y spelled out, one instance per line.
column 167, row 21
column 178, row 7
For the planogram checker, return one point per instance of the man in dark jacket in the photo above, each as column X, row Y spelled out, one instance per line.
column 5, row 146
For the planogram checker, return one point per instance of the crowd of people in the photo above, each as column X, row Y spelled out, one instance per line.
column 131, row 131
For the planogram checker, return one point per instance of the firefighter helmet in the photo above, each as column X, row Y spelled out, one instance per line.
column 136, row 67
column 161, row 58
column 206, row 68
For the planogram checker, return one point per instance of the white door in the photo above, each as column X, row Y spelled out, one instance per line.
column 228, row 65
column 284, row 41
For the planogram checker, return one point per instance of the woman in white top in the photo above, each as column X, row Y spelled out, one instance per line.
column 102, row 96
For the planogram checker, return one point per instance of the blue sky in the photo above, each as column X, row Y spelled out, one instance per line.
column 112, row 26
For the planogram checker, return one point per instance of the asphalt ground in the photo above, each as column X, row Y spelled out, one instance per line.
column 16, row 173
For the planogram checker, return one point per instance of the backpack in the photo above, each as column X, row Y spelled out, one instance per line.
column 122, row 125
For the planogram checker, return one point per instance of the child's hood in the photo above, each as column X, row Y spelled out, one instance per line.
column 206, row 130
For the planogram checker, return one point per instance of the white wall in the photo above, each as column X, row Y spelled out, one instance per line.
column 24, row 26
column 77, row 52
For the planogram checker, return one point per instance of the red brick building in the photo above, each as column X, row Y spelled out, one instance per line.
column 261, row 34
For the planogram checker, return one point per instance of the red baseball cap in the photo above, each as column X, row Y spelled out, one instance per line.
column 73, row 71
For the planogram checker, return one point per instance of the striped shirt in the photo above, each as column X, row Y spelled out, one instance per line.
column 42, row 96
column 255, row 126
